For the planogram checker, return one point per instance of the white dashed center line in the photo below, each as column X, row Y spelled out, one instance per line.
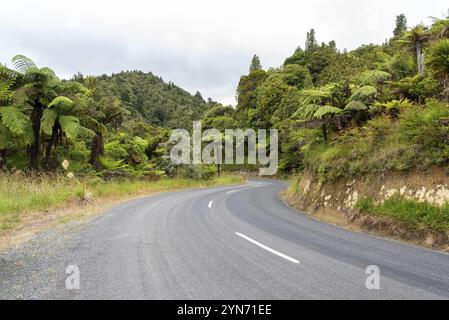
column 210, row 204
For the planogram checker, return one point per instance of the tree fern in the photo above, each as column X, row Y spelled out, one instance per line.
column 48, row 120
column 439, row 59
column 70, row 125
column 5, row 92
column 14, row 120
column 6, row 140
column 325, row 111
column 373, row 77
column 364, row 93
column 306, row 112
column 22, row 64
column 356, row 106
column 61, row 104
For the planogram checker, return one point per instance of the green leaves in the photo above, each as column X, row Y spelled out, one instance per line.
column 14, row 120
column 5, row 92
column 374, row 77
column 306, row 112
column 438, row 60
column 48, row 120
column 325, row 111
column 61, row 104
column 23, row 64
column 356, row 106
column 364, row 94
column 70, row 125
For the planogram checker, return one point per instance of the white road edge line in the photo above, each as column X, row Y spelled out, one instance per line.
column 210, row 204
column 267, row 248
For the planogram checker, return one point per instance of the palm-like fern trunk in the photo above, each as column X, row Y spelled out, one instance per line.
column 52, row 142
column 2, row 158
column 34, row 150
column 420, row 59
column 97, row 150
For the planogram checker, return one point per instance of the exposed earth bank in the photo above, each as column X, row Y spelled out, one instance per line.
column 336, row 202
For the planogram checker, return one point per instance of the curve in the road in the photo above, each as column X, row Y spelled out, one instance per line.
column 237, row 242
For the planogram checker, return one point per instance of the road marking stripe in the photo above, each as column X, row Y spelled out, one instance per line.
column 210, row 204
column 232, row 191
column 267, row 248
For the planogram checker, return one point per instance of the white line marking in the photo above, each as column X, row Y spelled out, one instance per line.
column 232, row 191
column 267, row 248
column 210, row 204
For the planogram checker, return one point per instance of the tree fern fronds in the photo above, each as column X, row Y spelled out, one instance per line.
column 22, row 64
column 14, row 120
column 326, row 110
column 70, row 125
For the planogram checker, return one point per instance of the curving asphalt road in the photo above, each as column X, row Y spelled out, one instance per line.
column 222, row 243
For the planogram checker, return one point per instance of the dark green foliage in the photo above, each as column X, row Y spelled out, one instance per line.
column 401, row 25
column 149, row 98
column 255, row 64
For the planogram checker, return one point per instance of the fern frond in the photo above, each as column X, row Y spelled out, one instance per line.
column 5, row 92
column 364, row 93
column 326, row 110
column 356, row 106
column 6, row 140
column 13, row 119
column 48, row 120
column 373, row 77
column 85, row 133
column 305, row 113
column 22, row 64
column 70, row 125
column 61, row 104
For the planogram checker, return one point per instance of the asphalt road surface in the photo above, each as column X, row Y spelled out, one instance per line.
column 234, row 242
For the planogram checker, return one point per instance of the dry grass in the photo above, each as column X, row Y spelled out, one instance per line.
column 22, row 196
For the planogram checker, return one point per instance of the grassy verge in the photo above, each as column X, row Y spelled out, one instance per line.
column 420, row 216
column 21, row 195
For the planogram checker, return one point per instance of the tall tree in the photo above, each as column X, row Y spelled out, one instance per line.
column 415, row 39
column 38, row 85
column 255, row 64
column 401, row 25
column 311, row 42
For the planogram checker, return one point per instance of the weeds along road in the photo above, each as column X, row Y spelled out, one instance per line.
column 222, row 243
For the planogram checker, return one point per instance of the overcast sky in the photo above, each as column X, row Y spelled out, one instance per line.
column 203, row 45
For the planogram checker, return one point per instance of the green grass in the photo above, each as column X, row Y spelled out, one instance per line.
column 20, row 194
column 418, row 215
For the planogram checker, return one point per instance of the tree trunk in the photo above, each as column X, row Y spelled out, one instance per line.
column 2, row 158
column 53, row 141
column 420, row 59
column 34, row 150
column 324, row 128
column 218, row 170
column 96, row 150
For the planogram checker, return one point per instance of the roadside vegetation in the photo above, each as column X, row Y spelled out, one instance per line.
column 21, row 195
column 419, row 216
column 379, row 108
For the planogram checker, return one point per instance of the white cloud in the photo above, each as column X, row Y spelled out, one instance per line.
column 199, row 44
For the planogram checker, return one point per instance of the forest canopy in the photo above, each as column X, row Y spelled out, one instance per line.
column 376, row 108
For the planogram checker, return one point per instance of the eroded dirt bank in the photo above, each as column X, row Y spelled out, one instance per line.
column 335, row 202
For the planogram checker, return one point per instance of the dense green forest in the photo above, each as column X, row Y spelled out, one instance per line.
column 374, row 109
column 377, row 108
column 116, row 126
